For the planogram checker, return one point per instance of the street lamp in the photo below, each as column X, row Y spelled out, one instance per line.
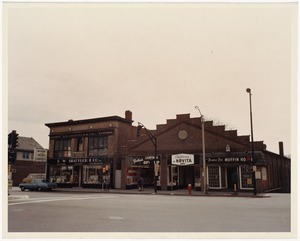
column 203, row 149
column 154, row 142
column 248, row 90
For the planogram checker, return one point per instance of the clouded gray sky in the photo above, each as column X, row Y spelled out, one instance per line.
column 80, row 61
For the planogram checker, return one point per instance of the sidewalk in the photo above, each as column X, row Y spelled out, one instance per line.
column 180, row 192
column 148, row 191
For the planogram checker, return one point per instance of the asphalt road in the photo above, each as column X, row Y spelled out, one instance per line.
column 105, row 212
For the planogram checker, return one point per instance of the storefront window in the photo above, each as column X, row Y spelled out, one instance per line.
column 246, row 177
column 173, row 175
column 61, row 174
column 214, row 176
column 91, row 174
column 96, row 174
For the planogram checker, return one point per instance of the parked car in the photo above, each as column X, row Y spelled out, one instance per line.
column 38, row 185
column 33, row 176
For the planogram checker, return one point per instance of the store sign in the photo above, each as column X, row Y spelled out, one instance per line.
column 226, row 159
column 86, row 134
column 183, row 159
column 40, row 154
column 142, row 161
column 79, row 161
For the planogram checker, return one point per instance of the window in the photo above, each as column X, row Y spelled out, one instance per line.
column 264, row 173
column 214, row 176
column 62, row 148
column 25, row 155
column 61, row 174
column 79, row 144
column 92, row 174
column 246, row 177
column 98, row 146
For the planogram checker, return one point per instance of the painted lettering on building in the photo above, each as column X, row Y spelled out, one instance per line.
column 182, row 159
column 226, row 159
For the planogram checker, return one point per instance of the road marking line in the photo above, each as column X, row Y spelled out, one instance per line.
column 116, row 218
column 54, row 199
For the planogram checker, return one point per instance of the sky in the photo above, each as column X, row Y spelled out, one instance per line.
column 81, row 61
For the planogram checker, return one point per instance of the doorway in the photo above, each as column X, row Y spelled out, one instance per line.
column 186, row 176
column 77, row 176
column 231, row 172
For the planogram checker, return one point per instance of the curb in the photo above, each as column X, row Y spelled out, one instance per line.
column 167, row 194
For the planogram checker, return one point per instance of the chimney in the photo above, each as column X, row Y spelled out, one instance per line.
column 281, row 148
column 128, row 115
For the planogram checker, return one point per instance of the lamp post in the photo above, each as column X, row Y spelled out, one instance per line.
column 248, row 90
column 203, row 149
column 154, row 142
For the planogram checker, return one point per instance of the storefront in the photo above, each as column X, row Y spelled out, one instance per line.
column 89, row 153
column 222, row 172
column 80, row 172
column 225, row 170
column 183, row 169
column 141, row 166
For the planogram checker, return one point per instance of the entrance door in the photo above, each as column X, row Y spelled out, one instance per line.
column 77, row 176
column 186, row 176
column 230, row 177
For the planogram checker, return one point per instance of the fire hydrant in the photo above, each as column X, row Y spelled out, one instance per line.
column 189, row 187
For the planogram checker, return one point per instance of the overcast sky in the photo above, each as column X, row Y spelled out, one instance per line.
column 81, row 61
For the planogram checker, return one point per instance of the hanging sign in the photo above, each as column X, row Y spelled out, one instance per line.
column 183, row 159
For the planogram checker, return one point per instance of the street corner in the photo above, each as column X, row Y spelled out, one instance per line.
column 15, row 197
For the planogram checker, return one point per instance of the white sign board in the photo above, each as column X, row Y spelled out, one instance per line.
column 182, row 159
column 40, row 154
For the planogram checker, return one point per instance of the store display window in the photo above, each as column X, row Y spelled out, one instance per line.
column 61, row 174
column 246, row 177
column 92, row 174
column 214, row 176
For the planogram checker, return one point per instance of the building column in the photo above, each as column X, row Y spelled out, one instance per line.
column 164, row 173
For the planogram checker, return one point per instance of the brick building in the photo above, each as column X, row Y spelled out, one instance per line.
column 228, row 158
column 89, row 153
column 27, row 160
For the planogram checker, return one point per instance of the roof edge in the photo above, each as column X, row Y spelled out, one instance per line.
column 101, row 119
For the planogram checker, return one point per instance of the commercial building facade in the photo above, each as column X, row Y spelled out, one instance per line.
column 89, row 153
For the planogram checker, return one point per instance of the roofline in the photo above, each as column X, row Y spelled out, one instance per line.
column 101, row 119
column 276, row 154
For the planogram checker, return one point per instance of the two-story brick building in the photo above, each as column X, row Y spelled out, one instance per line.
column 87, row 153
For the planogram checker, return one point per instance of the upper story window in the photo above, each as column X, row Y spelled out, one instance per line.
column 62, row 148
column 79, row 144
column 98, row 145
column 26, row 155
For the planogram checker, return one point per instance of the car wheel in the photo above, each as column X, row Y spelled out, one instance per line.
column 39, row 189
column 22, row 189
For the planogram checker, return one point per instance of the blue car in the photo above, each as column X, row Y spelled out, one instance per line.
column 38, row 185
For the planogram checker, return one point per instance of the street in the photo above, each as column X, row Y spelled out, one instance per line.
column 111, row 212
